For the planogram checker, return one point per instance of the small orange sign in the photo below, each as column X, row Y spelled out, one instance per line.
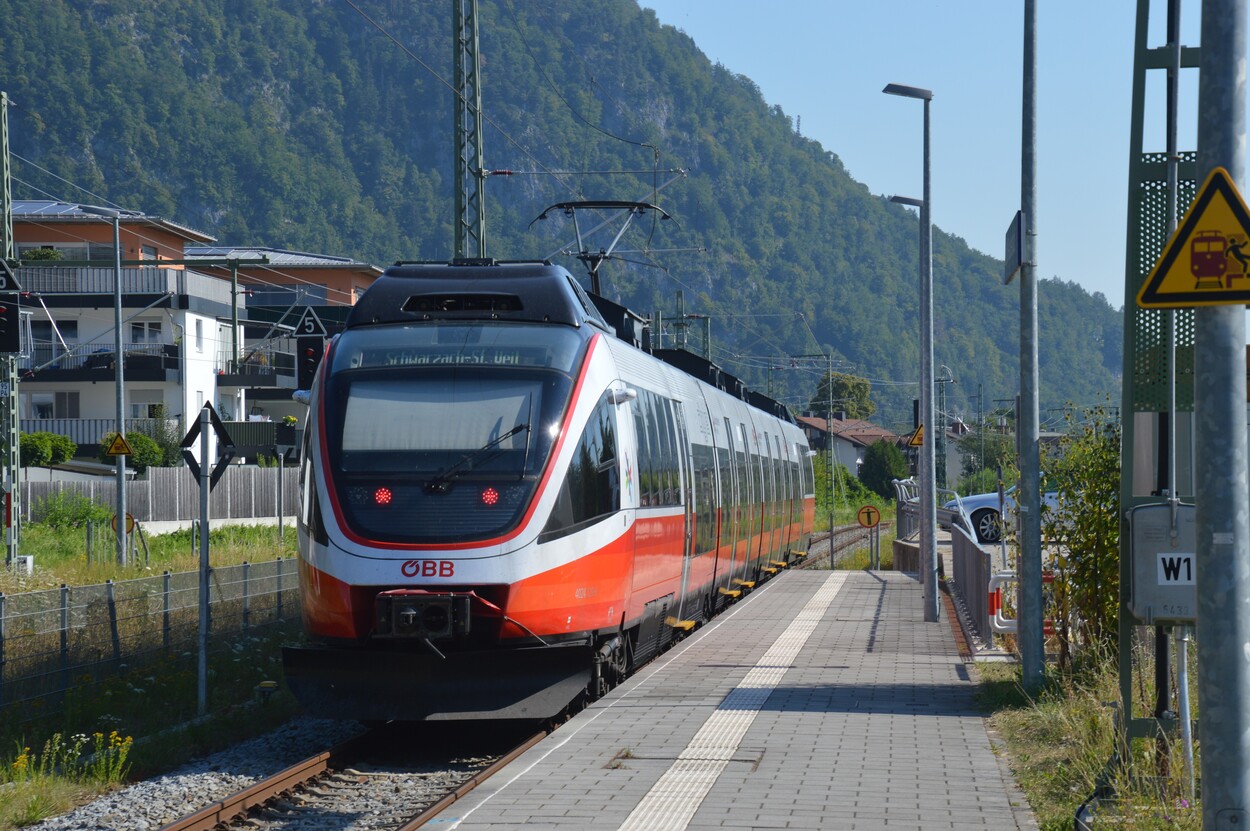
column 869, row 516
column 119, row 447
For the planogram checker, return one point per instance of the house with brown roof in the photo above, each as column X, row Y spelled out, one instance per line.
column 850, row 437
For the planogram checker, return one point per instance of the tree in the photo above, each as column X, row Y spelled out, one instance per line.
column 843, row 393
column 1085, row 531
column 883, row 463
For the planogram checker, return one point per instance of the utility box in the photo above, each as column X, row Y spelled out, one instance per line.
column 1165, row 585
column 24, row 564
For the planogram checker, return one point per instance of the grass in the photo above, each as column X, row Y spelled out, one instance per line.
column 60, row 558
column 143, row 720
column 1060, row 743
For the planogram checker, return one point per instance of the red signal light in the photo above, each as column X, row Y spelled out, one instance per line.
column 490, row 496
column 382, row 496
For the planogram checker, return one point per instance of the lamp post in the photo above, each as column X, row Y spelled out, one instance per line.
column 928, row 486
column 115, row 216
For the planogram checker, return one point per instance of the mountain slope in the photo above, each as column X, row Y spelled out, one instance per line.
column 301, row 124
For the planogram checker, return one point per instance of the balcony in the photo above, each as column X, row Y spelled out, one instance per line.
column 149, row 281
column 151, row 362
column 260, row 367
column 89, row 432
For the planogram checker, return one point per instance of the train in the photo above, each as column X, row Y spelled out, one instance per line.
column 509, row 499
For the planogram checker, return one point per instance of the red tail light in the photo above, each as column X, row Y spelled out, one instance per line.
column 490, row 496
column 382, row 496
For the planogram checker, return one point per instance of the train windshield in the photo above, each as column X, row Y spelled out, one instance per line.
column 439, row 432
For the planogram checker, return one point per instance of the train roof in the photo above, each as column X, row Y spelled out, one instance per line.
column 529, row 291
column 532, row 291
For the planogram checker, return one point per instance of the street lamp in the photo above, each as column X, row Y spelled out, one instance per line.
column 928, row 485
column 120, row 520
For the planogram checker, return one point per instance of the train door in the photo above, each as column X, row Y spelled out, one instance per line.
column 770, row 500
column 787, row 505
column 731, row 500
column 748, row 498
column 680, row 443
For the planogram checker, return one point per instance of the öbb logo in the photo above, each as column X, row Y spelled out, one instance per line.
column 428, row 568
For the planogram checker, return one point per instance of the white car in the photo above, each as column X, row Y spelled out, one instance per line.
column 982, row 511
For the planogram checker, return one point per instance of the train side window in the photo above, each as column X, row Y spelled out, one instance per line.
column 659, row 459
column 638, row 405
column 681, row 440
column 591, row 487
column 668, row 475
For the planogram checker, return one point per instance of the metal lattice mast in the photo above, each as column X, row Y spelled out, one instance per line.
column 1158, row 385
column 470, row 175
column 12, row 425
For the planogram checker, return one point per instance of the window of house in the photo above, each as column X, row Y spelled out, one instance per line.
column 199, row 336
column 147, row 252
column 145, row 403
column 54, row 405
column 44, row 331
column 145, row 331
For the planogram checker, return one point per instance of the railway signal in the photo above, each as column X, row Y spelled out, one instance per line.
column 311, row 350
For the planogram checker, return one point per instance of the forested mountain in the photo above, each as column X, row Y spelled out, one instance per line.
column 303, row 124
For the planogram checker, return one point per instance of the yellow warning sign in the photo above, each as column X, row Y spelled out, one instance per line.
column 917, row 438
column 118, row 447
column 1207, row 260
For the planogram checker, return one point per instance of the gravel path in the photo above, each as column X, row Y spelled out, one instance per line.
column 146, row 806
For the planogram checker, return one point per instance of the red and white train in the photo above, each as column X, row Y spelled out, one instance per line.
column 506, row 503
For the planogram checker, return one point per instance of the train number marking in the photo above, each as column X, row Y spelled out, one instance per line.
column 428, row 568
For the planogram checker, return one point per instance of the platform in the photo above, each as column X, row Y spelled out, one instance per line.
column 823, row 700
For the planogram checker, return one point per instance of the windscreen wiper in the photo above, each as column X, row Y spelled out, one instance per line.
column 442, row 482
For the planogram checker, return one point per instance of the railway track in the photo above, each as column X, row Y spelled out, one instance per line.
column 365, row 783
column 826, row 548
column 379, row 781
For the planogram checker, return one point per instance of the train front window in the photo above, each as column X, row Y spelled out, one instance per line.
column 440, row 432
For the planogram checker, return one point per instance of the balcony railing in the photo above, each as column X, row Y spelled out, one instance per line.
column 147, row 280
column 100, row 355
column 90, row 431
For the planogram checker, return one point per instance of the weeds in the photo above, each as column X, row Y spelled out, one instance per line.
column 1060, row 745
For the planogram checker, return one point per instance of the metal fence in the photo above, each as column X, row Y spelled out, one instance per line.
column 172, row 494
column 72, row 637
column 972, row 566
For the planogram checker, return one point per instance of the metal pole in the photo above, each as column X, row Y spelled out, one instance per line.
column 928, row 486
column 202, row 687
column 122, row 549
column 1223, row 524
column 234, row 315
column 1032, row 639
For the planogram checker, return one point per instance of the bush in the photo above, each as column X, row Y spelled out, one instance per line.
column 35, row 449
column 883, row 463
column 145, row 453
column 63, row 448
column 69, row 509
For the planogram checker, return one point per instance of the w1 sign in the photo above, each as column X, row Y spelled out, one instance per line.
column 1164, row 586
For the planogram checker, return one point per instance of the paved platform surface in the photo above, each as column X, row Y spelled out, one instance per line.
column 823, row 700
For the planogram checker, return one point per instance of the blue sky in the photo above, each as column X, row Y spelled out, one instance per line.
column 826, row 61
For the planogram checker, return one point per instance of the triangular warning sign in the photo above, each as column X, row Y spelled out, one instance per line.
column 917, row 438
column 310, row 324
column 1207, row 261
column 118, row 447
